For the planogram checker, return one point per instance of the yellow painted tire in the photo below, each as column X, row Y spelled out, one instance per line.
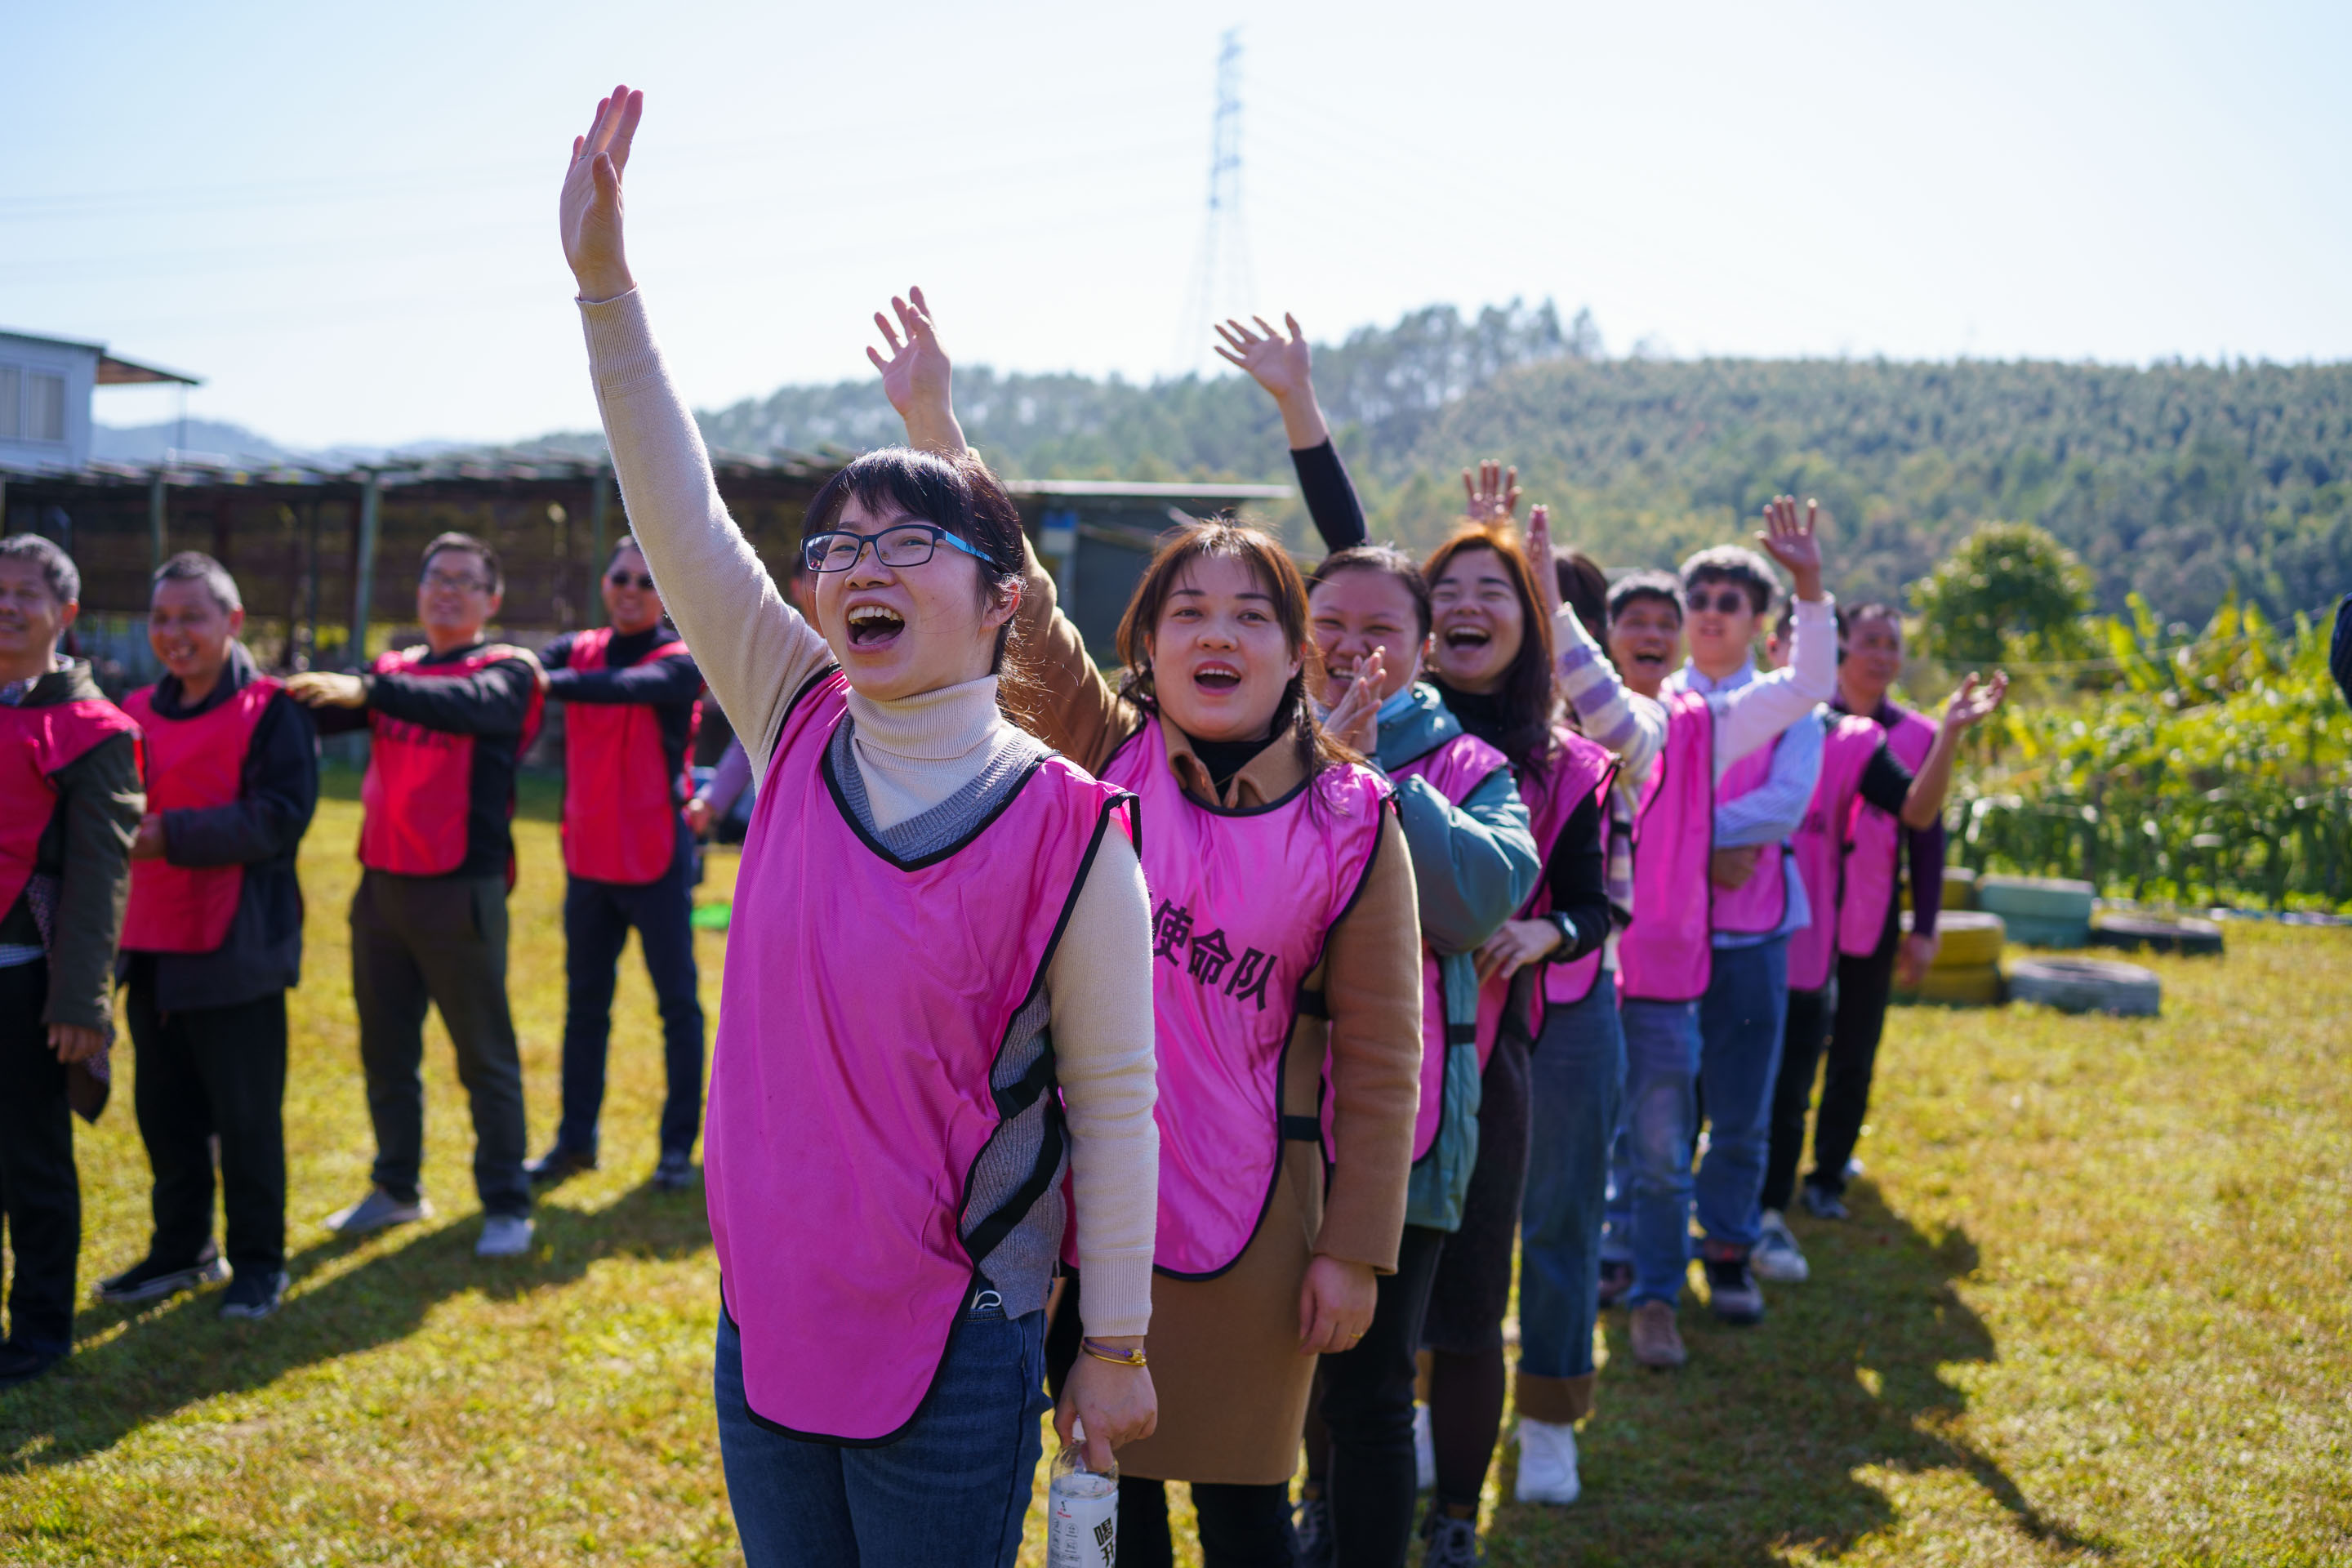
column 1972, row 938
column 1977, row 986
column 1960, row 888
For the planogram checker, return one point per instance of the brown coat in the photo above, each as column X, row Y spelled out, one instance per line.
column 1233, row 1385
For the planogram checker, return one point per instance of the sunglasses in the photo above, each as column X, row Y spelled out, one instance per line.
column 631, row 580
column 1730, row 602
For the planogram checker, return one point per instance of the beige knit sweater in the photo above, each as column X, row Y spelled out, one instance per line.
column 911, row 753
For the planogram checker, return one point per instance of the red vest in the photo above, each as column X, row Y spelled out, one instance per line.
column 192, row 763
column 865, row 1001
column 35, row 742
column 620, row 803
column 420, row 782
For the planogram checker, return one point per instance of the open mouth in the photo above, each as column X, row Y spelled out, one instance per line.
column 874, row 626
column 1467, row 637
column 1218, row 678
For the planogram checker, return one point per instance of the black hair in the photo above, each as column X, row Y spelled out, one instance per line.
column 57, row 568
column 195, row 566
column 955, row 493
column 456, row 540
column 1635, row 586
column 1584, row 588
column 1386, row 559
column 1738, row 565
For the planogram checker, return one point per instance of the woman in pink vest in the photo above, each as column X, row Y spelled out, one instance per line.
column 1475, row 864
column 1285, row 958
column 936, row 998
column 1885, row 774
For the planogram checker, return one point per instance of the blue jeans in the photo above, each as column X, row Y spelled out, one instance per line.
column 1741, row 1020
column 951, row 1493
column 596, row 921
column 1576, row 1090
column 1650, row 1204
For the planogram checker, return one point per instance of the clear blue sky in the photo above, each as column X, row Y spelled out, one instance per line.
column 343, row 216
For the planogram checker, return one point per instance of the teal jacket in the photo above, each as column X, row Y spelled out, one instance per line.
column 1474, row 866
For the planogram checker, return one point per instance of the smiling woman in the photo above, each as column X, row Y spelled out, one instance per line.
column 889, row 1126
column 1284, row 916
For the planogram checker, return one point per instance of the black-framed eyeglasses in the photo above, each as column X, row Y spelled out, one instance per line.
column 644, row 579
column 903, row 545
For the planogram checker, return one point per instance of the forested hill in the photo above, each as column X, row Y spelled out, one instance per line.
column 2179, row 479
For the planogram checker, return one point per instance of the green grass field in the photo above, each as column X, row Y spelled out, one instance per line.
column 2096, row 1304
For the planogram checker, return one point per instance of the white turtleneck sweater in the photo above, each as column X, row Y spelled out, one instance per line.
column 911, row 753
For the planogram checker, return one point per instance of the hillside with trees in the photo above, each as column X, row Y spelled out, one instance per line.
column 2179, row 480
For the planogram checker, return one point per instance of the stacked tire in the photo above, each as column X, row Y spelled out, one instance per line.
column 2088, row 986
column 2040, row 912
column 1967, row 971
column 2135, row 933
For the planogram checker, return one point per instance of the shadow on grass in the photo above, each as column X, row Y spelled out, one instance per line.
column 1761, row 1443
column 175, row 1354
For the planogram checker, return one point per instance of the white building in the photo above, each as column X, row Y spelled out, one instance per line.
column 45, row 390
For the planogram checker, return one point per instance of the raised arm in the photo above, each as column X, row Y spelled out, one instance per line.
column 1924, row 807
column 1283, row 365
column 1630, row 726
column 752, row 647
column 1754, row 715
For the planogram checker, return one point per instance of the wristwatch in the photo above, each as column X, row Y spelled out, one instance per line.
column 1568, row 936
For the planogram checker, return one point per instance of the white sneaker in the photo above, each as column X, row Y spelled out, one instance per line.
column 376, row 1211
column 1548, row 1462
column 1776, row 1255
column 1424, row 1451
column 504, row 1236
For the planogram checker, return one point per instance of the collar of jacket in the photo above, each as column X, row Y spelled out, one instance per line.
column 1425, row 725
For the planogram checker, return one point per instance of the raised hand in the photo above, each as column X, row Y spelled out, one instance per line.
column 1284, row 367
column 917, row 376
column 590, row 211
column 1493, row 495
column 1541, row 558
column 1972, row 704
column 1355, row 720
column 1794, row 543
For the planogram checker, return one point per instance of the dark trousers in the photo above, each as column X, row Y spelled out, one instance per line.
column 1241, row 1526
column 1360, row 1446
column 40, row 1194
column 1863, row 986
column 438, row 942
column 204, row 1072
column 596, row 921
column 1847, row 1017
column 1806, row 1032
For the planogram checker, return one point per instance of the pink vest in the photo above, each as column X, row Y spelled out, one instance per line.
column 1874, row 840
column 1581, row 770
column 1665, row 955
column 1758, row 905
column 1241, row 903
column 864, row 1006
column 191, row 763
column 1452, row 769
column 1822, row 846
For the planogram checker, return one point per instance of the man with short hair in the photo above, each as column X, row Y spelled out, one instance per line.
column 213, row 940
column 628, row 857
column 448, row 721
column 70, row 802
column 1759, row 899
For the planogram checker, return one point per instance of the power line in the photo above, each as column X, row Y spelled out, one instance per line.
column 1222, row 281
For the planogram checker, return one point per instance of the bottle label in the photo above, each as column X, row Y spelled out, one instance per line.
column 1082, row 1529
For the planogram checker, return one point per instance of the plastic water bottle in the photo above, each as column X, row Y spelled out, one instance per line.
column 1081, row 1508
